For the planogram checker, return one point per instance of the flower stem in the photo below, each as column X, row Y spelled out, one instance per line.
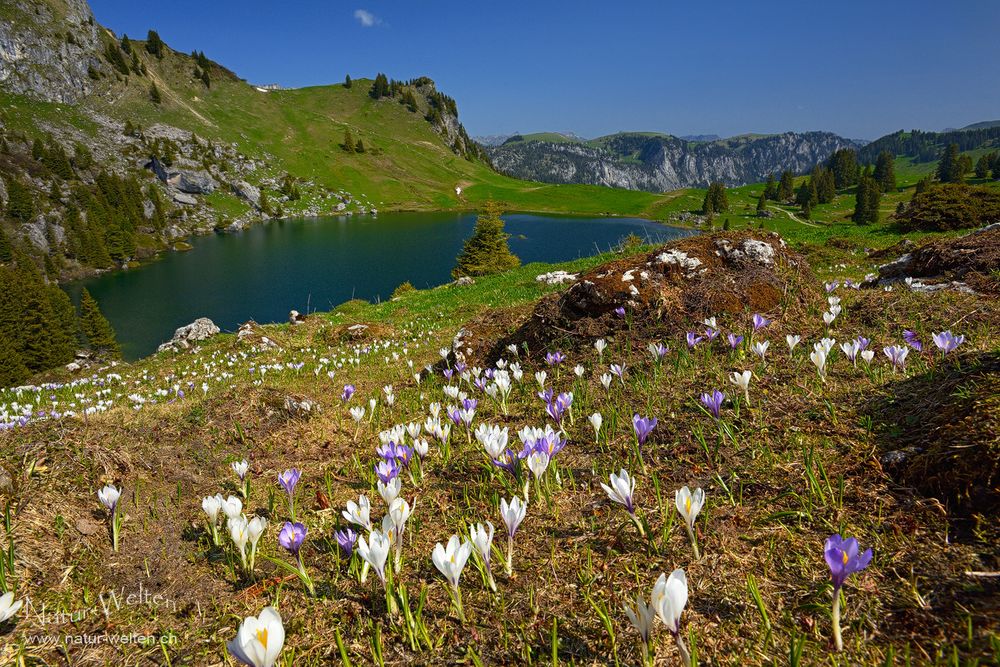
column 682, row 649
column 509, row 565
column 838, row 642
column 694, row 543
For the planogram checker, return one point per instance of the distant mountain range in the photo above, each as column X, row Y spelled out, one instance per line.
column 658, row 162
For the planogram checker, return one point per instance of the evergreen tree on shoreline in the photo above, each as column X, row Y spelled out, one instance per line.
column 486, row 251
column 96, row 328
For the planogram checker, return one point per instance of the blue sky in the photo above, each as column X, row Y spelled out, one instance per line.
column 861, row 69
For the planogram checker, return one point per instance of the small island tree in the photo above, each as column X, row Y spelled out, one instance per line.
column 96, row 328
column 486, row 251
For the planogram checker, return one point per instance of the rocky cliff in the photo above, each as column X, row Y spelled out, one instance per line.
column 661, row 162
column 49, row 50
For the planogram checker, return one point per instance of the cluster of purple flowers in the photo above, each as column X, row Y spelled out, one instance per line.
column 556, row 406
column 545, row 441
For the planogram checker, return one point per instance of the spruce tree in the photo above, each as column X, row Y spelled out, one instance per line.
column 983, row 165
column 715, row 200
column 12, row 369
column 867, row 200
column 96, row 328
column 770, row 188
column 20, row 203
column 844, row 165
column 786, row 186
column 761, row 203
column 154, row 44
column 347, row 81
column 348, row 145
column 949, row 169
column 885, row 171
column 486, row 251
column 64, row 329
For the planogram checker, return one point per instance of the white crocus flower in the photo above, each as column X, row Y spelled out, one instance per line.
column 641, row 617
column 399, row 512
column 818, row 357
column 689, row 504
column 537, row 463
column 239, row 531
column 482, row 539
column 606, row 381
column 742, row 381
column 390, row 491
column 109, row 496
column 259, row 640
column 600, row 344
column 792, row 341
column 760, row 348
column 512, row 514
column 359, row 513
column 540, row 378
column 596, row 420
column 375, row 551
column 450, row 561
column 8, row 607
column 241, row 468
column 232, row 506
column 669, row 599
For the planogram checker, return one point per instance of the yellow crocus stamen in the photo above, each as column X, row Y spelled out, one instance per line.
column 687, row 503
column 262, row 637
column 845, row 557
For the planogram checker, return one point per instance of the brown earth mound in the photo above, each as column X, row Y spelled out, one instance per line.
column 973, row 258
column 680, row 282
column 942, row 433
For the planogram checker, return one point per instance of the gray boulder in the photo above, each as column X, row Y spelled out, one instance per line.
column 201, row 329
column 193, row 182
column 35, row 232
column 247, row 192
column 182, row 198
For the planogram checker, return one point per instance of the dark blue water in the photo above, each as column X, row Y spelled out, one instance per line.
column 315, row 264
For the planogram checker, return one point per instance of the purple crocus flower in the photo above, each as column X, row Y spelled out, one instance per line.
column 470, row 404
column 460, row 367
column 843, row 558
column 508, row 461
column 289, row 479
column 292, row 536
column 546, row 395
column 713, row 402
column 558, row 407
column 734, row 340
column 618, row 371
column 448, row 373
column 911, row 339
column 387, row 470
column 620, row 311
column 643, row 427
column 947, row 342
column 693, row 339
column 831, row 286
column 659, row 350
column 455, row 415
column 864, row 342
column 549, row 444
column 711, row 334
column 348, row 392
column 346, row 539
column 555, row 358
column 897, row 354
column 759, row 321
column 480, row 384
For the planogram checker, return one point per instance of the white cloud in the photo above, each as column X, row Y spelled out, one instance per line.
column 366, row 18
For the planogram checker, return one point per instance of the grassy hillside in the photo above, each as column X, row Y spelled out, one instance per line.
column 798, row 462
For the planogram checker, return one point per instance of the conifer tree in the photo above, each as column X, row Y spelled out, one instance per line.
column 12, row 369
column 949, row 169
column 20, row 204
column 486, row 251
column 761, row 203
column 154, row 44
column 380, row 88
column 64, row 330
column 885, row 171
column 347, row 81
column 866, row 200
column 348, row 145
column 786, row 186
column 770, row 188
column 844, row 165
column 983, row 165
column 715, row 200
column 96, row 328
column 154, row 94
